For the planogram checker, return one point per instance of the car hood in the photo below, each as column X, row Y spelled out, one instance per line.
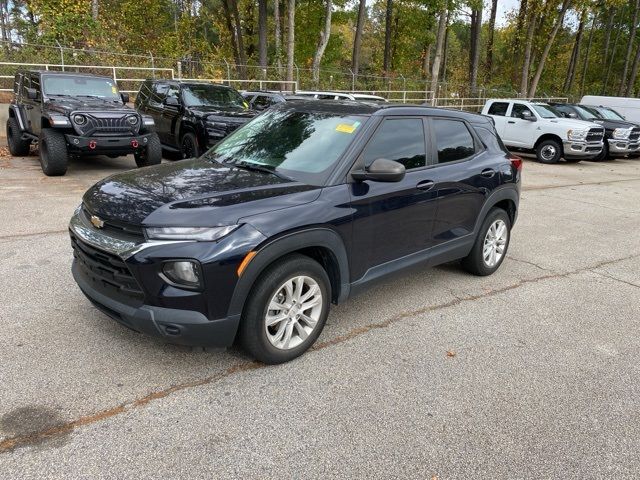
column 612, row 124
column 194, row 193
column 237, row 113
column 572, row 123
column 68, row 105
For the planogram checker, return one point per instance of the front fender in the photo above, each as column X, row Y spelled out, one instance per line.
column 288, row 243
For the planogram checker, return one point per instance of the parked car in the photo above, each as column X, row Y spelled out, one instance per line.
column 628, row 107
column 362, row 97
column 305, row 206
column 622, row 137
column 325, row 95
column 192, row 116
column 261, row 100
column 75, row 114
column 539, row 128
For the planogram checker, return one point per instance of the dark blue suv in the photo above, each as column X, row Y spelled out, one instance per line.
column 306, row 205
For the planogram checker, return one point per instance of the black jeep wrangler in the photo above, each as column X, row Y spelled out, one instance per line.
column 190, row 116
column 76, row 114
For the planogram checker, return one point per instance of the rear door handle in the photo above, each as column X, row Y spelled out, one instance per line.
column 425, row 185
column 511, row 121
column 488, row 172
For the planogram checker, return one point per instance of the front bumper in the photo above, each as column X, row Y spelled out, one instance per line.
column 623, row 147
column 577, row 149
column 121, row 278
column 100, row 145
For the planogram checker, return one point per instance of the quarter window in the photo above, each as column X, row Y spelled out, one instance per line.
column 401, row 140
column 498, row 108
column 453, row 140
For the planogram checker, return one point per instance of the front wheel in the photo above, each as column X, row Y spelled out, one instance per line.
column 189, row 146
column 53, row 152
column 549, row 151
column 491, row 245
column 151, row 154
column 286, row 310
column 604, row 153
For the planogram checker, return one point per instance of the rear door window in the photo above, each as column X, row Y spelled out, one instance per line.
column 399, row 139
column 498, row 108
column 453, row 140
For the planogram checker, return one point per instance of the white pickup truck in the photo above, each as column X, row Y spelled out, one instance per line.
column 531, row 127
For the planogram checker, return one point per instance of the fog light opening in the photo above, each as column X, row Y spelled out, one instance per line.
column 183, row 273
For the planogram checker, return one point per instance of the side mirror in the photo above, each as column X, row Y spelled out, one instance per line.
column 171, row 102
column 32, row 94
column 381, row 170
column 125, row 97
column 527, row 115
column 572, row 115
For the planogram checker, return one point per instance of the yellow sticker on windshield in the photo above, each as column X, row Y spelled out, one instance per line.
column 346, row 128
column 246, row 105
column 114, row 89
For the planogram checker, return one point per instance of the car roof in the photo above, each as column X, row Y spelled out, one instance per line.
column 350, row 107
column 60, row 72
column 170, row 81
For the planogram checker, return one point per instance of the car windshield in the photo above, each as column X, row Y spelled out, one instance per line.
column 587, row 113
column 68, row 85
column 608, row 113
column 304, row 146
column 211, row 96
column 546, row 111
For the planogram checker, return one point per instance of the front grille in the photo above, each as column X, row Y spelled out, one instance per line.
column 106, row 124
column 107, row 272
column 121, row 230
column 595, row 134
column 635, row 134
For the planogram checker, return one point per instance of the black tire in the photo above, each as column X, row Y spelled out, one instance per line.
column 603, row 155
column 189, row 146
column 53, row 152
column 474, row 262
column 549, row 151
column 634, row 155
column 253, row 331
column 17, row 146
column 151, row 154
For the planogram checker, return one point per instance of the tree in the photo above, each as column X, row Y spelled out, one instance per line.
column 492, row 27
column 357, row 40
column 323, row 41
column 632, row 37
column 575, row 54
column 474, row 50
column 435, row 68
column 291, row 37
column 387, row 37
column 262, row 33
column 278, row 34
column 547, row 48
column 526, row 58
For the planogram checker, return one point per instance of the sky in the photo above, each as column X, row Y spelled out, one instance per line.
column 504, row 6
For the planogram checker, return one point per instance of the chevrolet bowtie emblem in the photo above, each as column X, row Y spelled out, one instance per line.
column 97, row 221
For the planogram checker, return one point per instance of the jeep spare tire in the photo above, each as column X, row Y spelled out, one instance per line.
column 53, row 152
column 151, row 154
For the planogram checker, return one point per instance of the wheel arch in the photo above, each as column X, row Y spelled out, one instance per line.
column 549, row 136
column 319, row 243
column 506, row 198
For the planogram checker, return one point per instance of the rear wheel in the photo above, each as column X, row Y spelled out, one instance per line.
column 286, row 310
column 53, row 152
column 151, row 154
column 189, row 146
column 549, row 151
column 17, row 146
column 491, row 245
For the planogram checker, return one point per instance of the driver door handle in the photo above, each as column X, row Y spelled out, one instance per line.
column 425, row 185
column 488, row 172
column 511, row 121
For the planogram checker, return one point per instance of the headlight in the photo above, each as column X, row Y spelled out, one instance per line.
column 578, row 134
column 185, row 273
column 79, row 119
column 621, row 133
column 200, row 234
column 132, row 120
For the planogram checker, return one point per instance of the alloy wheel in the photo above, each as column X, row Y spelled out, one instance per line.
column 293, row 312
column 495, row 242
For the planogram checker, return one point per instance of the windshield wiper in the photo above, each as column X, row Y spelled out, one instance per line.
column 259, row 168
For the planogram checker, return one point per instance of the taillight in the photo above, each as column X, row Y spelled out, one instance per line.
column 516, row 162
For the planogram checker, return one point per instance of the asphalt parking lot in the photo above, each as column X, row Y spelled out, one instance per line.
column 530, row 373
